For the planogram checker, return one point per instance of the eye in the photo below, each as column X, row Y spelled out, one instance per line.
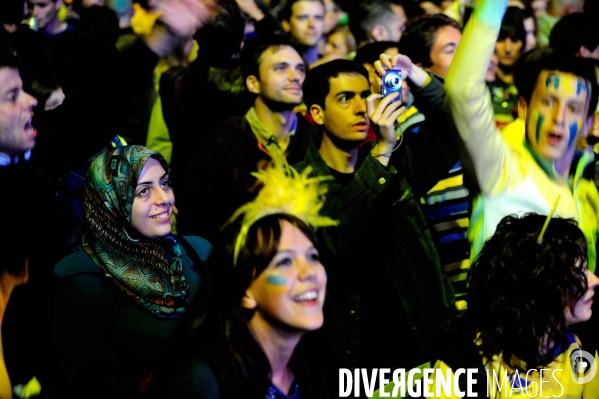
column 547, row 101
column 575, row 109
column 166, row 183
column 287, row 261
column 143, row 191
column 343, row 99
column 314, row 257
column 301, row 68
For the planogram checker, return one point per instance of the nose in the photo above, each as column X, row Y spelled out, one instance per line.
column 508, row 45
column 360, row 106
column 307, row 270
column 29, row 100
column 160, row 197
column 295, row 75
column 592, row 279
column 559, row 114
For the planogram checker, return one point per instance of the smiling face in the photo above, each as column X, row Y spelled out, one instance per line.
column 556, row 113
column 17, row 135
column 290, row 292
column 583, row 309
column 443, row 49
column 344, row 114
column 306, row 23
column 153, row 201
column 282, row 73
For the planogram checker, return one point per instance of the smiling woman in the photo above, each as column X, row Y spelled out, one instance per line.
column 258, row 337
column 132, row 282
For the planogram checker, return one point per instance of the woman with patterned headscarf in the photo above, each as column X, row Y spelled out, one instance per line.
column 119, row 298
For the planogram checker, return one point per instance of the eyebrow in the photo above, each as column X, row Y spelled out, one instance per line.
column 11, row 91
column 149, row 182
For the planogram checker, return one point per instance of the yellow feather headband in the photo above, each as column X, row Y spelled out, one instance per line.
column 284, row 190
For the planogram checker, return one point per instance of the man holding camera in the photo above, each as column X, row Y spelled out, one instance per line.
column 385, row 280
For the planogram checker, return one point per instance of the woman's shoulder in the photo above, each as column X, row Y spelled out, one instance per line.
column 76, row 263
column 190, row 379
column 200, row 245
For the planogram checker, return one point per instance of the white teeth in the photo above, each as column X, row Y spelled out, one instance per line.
column 306, row 296
column 162, row 215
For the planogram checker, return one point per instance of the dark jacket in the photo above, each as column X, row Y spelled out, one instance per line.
column 387, row 291
column 220, row 179
column 107, row 344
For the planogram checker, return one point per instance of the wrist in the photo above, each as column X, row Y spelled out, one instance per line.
column 256, row 15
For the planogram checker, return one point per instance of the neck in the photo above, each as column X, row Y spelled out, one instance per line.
column 341, row 157
column 54, row 27
column 278, row 346
column 311, row 54
column 505, row 74
column 278, row 123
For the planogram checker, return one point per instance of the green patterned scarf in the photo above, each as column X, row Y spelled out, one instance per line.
column 149, row 271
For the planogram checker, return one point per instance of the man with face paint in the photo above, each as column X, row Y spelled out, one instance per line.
column 558, row 93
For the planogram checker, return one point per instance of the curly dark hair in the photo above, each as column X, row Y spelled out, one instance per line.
column 519, row 289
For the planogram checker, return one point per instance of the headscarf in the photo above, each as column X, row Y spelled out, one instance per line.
column 148, row 270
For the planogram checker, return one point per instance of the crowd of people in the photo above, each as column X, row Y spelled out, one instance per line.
column 373, row 184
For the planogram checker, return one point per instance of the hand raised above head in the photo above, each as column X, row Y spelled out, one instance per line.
column 418, row 76
column 184, row 17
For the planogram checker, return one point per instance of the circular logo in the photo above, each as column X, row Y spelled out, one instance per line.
column 584, row 366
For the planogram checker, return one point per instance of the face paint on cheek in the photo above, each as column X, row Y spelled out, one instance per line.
column 279, row 282
column 276, row 280
column 573, row 133
column 540, row 120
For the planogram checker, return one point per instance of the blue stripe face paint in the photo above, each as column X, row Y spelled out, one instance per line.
column 540, row 121
column 552, row 79
column 276, row 280
column 573, row 133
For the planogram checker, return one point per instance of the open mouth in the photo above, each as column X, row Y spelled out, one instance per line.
column 554, row 139
column 29, row 129
column 307, row 297
column 161, row 216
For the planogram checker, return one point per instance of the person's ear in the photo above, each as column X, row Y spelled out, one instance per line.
column 248, row 301
column 584, row 52
column 522, row 108
column 253, row 84
column 587, row 126
column 286, row 26
column 378, row 33
column 317, row 114
column 24, row 273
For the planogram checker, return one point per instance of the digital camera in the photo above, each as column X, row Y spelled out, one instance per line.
column 392, row 83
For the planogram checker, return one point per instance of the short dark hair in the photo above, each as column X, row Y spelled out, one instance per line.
column 519, row 289
column 573, row 31
column 287, row 8
column 317, row 84
column 228, row 27
column 8, row 58
column 420, row 35
column 530, row 64
column 512, row 25
column 365, row 16
column 253, row 50
column 369, row 53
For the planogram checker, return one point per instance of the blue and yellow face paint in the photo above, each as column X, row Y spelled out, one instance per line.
column 279, row 283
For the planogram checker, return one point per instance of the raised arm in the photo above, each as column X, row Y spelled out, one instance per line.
column 468, row 98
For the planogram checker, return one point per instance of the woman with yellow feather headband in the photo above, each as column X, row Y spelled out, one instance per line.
column 257, row 338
